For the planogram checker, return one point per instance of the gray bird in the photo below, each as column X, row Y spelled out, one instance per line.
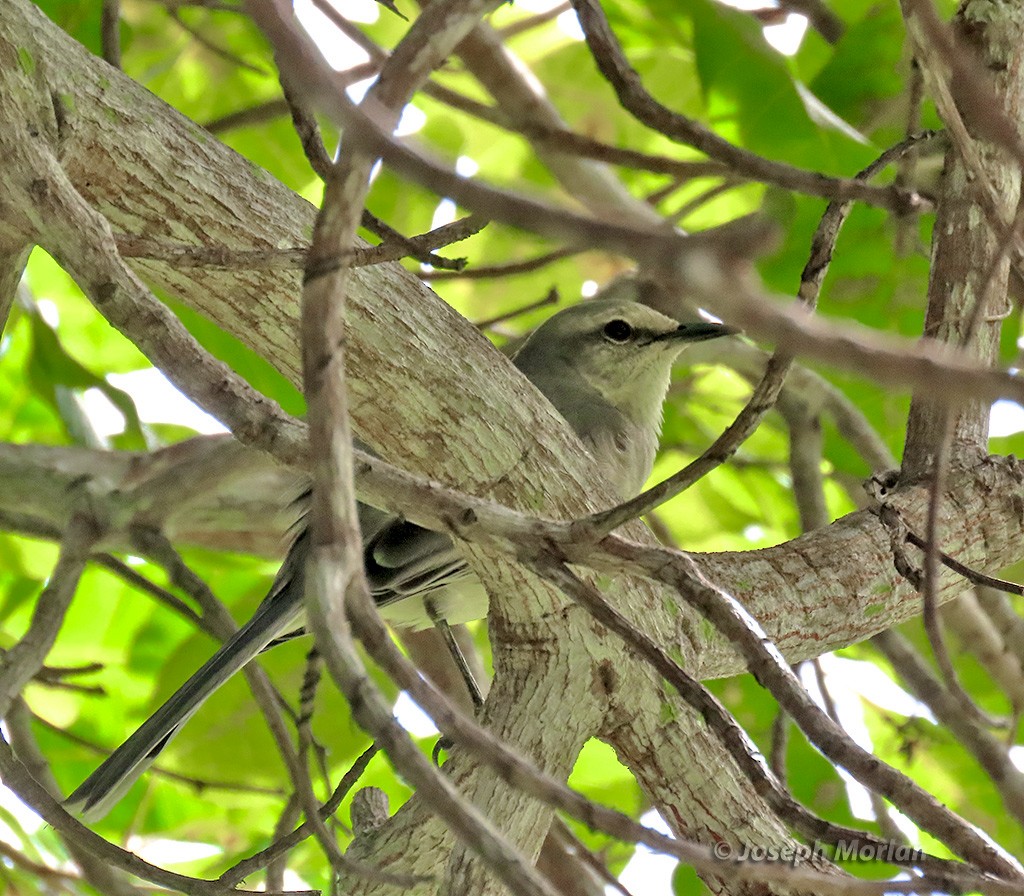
column 604, row 365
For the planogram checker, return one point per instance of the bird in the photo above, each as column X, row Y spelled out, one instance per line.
column 604, row 364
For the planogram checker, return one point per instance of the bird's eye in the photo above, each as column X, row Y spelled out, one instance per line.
column 618, row 331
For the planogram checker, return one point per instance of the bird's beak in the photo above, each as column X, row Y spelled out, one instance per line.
column 698, row 331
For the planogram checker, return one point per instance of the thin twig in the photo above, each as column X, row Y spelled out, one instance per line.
column 256, row 114
column 110, row 31
column 54, row 876
column 572, row 847
column 502, row 270
column 1005, row 618
column 20, row 664
column 991, row 753
column 633, row 96
column 308, row 129
column 972, row 575
column 821, row 18
column 709, row 195
column 550, row 299
column 906, row 169
column 290, row 813
column 779, row 746
column 183, row 255
column 220, row 52
column 197, row 784
column 805, row 460
column 281, row 846
column 978, row 634
column 528, row 23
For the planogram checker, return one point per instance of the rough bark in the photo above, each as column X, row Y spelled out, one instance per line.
column 424, row 389
column 970, row 268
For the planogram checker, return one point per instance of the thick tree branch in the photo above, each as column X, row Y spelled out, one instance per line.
column 849, row 587
column 336, row 558
column 254, row 306
column 395, row 392
column 970, row 262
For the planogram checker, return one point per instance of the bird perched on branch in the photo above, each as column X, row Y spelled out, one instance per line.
column 604, row 365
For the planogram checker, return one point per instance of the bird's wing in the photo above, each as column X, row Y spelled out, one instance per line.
column 417, row 576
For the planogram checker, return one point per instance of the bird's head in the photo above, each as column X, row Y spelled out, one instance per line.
column 620, row 349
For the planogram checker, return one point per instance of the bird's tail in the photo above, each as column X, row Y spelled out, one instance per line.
column 105, row 786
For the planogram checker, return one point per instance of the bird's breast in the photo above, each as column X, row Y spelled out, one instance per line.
column 624, row 455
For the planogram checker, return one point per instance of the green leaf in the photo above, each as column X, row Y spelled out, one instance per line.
column 866, row 68
column 54, row 373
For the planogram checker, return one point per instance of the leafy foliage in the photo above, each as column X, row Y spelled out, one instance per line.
column 702, row 59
